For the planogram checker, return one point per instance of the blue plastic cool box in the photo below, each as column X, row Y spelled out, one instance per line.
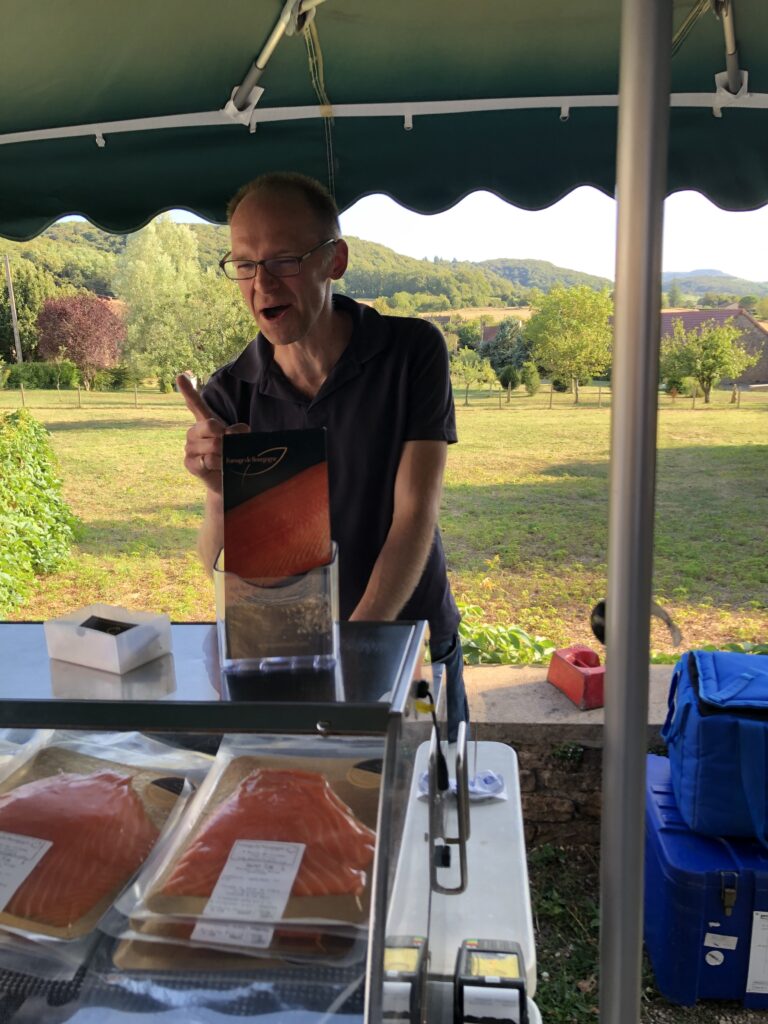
column 706, row 905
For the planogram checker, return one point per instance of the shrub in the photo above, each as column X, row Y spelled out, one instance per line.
column 529, row 376
column 691, row 387
column 561, row 385
column 36, row 525
column 488, row 644
column 46, row 376
column 121, row 378
column 509, row 376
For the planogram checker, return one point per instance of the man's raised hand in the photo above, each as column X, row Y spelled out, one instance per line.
column 202, row 451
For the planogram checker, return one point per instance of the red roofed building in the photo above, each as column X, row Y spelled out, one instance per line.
column 754, row 336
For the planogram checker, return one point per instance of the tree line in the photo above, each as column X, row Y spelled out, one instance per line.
column 121, row 309
column 569, row 338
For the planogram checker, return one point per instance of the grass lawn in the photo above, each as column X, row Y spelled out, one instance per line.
column 524, row 511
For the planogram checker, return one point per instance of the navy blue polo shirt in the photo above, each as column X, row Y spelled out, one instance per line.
column 390, row 385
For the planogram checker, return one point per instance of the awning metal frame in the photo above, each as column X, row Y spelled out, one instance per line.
column 717, row 101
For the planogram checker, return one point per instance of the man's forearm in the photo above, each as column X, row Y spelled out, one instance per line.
column 397, row 571
column 211, row 537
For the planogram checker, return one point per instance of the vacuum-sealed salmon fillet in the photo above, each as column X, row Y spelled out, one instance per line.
column 100, row 834
column 281, row 806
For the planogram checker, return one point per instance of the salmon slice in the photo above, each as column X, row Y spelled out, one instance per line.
column 100, row 834
column 288, row 807
column 283, row 531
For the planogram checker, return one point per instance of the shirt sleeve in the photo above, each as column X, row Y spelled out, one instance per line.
column 431, row 413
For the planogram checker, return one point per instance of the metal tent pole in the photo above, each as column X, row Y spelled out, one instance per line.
column 646, row 37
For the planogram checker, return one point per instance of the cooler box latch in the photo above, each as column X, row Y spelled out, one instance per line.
column 729, row 887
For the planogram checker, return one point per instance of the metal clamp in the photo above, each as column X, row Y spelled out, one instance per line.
column 440, row 844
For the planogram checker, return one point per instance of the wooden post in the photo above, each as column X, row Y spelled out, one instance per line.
column 79, row 398
column 599, row 397
column 551, row 393
column 499, row 397
column 693, row 403
column 738, row 398
column 136, row 396
column 21, row 387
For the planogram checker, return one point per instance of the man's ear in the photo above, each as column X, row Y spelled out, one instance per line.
column 340, row 260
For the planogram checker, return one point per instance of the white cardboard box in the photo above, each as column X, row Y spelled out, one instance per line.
column 147, row 637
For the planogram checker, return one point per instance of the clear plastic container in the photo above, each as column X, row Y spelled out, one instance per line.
column 274, row 624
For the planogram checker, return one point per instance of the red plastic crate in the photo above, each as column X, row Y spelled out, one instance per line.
column 578, row 673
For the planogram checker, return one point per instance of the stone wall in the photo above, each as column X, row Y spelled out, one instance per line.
column 560, row 779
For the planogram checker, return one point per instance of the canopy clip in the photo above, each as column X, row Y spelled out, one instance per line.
column 247, row 115
column 565, row 113
column 723, row 95
column 302, row 16
column 100, row 140
column 408, row 121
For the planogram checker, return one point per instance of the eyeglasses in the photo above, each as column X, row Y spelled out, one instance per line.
column 278, row 266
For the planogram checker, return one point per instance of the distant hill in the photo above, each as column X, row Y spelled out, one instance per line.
column 543, row 275
column 77, row 253
column 699, row 282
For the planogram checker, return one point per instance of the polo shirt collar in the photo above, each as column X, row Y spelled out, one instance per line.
column 370, row 334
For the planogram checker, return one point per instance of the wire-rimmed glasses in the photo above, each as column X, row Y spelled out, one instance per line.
column 277, row 266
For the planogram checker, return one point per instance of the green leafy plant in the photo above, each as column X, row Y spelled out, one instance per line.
column 36, row 525
column 488, row 644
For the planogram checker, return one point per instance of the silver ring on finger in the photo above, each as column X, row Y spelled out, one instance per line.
column 203, row 465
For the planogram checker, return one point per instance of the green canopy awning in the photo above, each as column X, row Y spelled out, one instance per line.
column 393, row 75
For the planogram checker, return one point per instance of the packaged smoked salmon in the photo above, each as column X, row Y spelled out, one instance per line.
column 79, row 815
column 277, row 846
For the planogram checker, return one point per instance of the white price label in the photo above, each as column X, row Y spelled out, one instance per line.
column 19, row 856
column 256, row 881
column 757, row 975
column 242, row 934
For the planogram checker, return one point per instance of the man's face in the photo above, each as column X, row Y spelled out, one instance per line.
column 269, row 224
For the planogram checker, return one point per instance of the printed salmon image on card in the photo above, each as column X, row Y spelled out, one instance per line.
column 276, row 509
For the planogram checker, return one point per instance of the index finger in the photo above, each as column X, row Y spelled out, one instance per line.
column 194, row 402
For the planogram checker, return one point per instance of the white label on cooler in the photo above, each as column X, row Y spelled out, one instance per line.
column 713, row 941
column 757, row 976
column 256, row 881
column 19, row 856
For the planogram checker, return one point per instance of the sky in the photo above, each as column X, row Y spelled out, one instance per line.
column 578, row 233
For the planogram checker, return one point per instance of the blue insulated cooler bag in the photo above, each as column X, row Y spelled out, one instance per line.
column 718, row 750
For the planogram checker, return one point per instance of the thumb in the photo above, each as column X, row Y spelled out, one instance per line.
column 196, row 405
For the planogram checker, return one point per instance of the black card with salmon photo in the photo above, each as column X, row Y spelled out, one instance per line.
column 276, row 510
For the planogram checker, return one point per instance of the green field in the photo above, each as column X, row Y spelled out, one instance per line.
column 524, row 511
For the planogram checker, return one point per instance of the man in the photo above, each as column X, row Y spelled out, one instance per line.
column 380, row 386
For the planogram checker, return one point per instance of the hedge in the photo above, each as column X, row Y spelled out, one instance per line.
column 36, row 525
column 46, row 376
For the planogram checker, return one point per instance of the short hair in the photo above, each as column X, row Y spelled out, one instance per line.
column 316, row 195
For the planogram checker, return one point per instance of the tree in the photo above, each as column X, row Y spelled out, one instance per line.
column 469, row 333
column 762, row 308
column 749, row 302
column 179, row 317
column 502, row 350
column 529, row 377
column 84, row 329
column 468, row 369
column 31, row 287
column 674, row 295
column 509, row 378
column 570, row 333
column 706, row 354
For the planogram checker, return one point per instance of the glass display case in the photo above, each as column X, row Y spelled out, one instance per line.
column 365, row 745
